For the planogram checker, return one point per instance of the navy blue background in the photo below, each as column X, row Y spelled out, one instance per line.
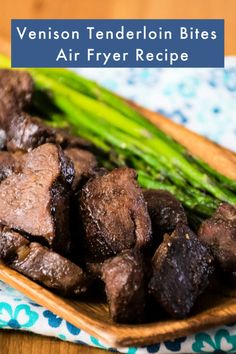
column 43, row 53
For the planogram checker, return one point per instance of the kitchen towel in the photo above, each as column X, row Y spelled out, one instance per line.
column 204, row 100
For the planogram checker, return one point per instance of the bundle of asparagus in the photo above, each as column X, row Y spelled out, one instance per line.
column 98, row 115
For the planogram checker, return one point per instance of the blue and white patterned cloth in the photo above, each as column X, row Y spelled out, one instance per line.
column 205, row 101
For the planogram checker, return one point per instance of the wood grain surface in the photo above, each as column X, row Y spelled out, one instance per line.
column 12, row 342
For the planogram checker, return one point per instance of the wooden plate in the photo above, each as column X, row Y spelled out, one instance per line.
column 212, row 309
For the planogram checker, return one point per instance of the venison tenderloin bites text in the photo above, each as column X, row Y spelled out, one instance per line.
column 41, row 264
column 114, row 215
column 36, row 200
column 165, row 212
column 124, row 281
column 219, row 232
column 182, row 266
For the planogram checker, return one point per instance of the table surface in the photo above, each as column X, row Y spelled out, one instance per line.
column 12, row 342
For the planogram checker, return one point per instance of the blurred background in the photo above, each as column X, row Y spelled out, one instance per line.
column 225, row 9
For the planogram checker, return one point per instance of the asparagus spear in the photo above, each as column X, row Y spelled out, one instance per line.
column 112, row 137
column 94, row 90
column 100, row 112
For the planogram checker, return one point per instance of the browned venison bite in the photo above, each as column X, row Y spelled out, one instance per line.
column 67, row 140
column 36, row 200
column 219, row 232
column 21, row 131
column 26, row 133
column 182, row 266
column 124, row 281
column 16, row 89
column 84, row 164
column 165, row 212
column 9, row 163
column 114, row 214
column 3, row 139
column 41, row 264
column 10, row 241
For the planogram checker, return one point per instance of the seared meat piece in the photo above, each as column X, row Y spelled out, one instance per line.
column 10, row 241
column 94, row 270
column 16, row 88
column 17, row 83
column 9, row 163
column 84, row 164
column 50, row 269
column 21, row 130
column 36, row 201
column 3, row 139
column 182, row 266
column 26, row 133
column 219, row 232
column 40, row 264
column 114, row 215
column 67, row 140
column 123, row 276
column 165, row 212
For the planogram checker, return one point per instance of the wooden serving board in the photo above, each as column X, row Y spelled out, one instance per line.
column 213, row 309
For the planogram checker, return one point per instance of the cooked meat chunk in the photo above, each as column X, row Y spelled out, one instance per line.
column 50, row 269
column 219, row 232
column 94, row 270
column 84, row 164
column 114, row 215
column 66, row 140
column 40, row 264
column 3, row 139
column 16, row 88
column 16, row 82
column 182, row 266
column 165, row 212
column 10, row 241
column 26, row 133
column 9, row 163
column 228, row 278
column 36, row 201
column 125, row 287
column 21, row 131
